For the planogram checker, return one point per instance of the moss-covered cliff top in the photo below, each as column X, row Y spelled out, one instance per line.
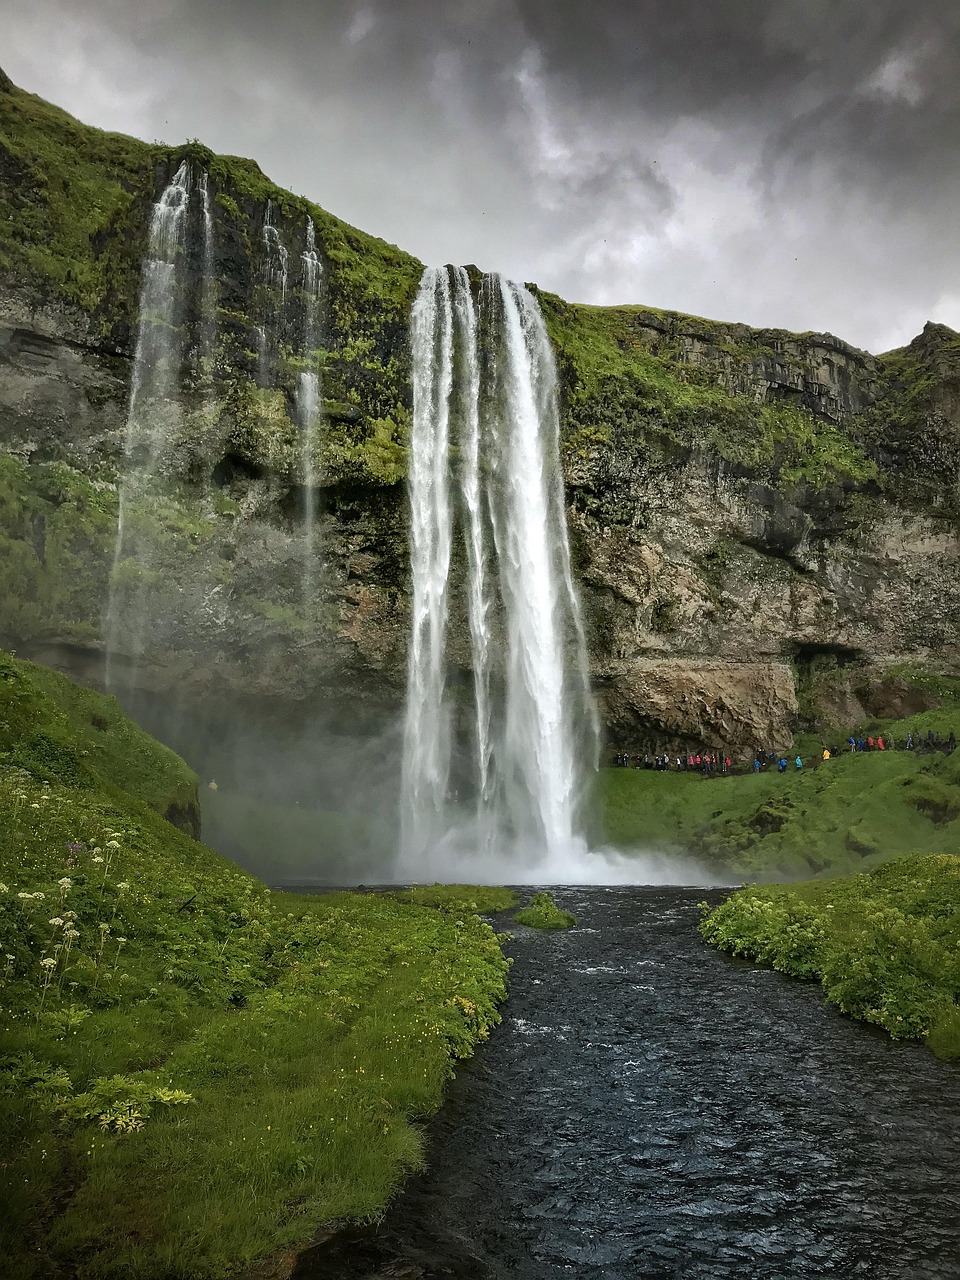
column 71, row 192
column 787, row 408
column 69, row 189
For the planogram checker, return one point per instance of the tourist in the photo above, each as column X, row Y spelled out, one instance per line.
column 798, row 763
column 826, row 753
column 782, row 765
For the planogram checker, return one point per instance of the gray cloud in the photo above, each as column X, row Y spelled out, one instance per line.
column 794, row 164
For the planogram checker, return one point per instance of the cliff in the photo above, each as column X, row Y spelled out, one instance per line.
column 764, row 523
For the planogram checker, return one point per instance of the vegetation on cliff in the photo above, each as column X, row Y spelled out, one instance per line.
column 885, row 945
column 74, row 211
column 615, row 381
column 195, row 1072
column 56, row 529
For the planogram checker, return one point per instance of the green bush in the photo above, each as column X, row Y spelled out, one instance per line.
column 543, row 913
column 884, row 945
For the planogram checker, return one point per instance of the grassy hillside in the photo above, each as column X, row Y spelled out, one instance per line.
column 194, row 1072
column 846, row 814
column 884, row 945
column 62, row 733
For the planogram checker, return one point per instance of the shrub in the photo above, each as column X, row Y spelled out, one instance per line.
column 543, row 913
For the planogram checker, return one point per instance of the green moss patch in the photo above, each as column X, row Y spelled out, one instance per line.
column 56, row 530
column 885, row 945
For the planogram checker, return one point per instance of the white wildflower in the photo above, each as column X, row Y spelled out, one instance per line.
column 4, row 888
column 56, row 921
column 97, row 859
column 104, row 928
column 48, row 963
column 123, row 886
column 65, row 884
column 112, row 844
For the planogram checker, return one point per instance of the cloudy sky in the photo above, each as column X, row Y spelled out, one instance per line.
column 779, row 162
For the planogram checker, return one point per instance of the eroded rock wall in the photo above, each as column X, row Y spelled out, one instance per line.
column 764, row 524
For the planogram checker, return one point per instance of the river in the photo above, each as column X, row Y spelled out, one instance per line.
column 652, row 1109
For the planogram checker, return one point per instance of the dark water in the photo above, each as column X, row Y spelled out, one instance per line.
column 651, row 1108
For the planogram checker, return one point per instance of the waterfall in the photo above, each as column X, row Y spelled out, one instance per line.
column 153, row 417
column 276, row 258
column 485, row 394
column 208, row 300
column 426, row 755
column 308, row 403
column 273, row 275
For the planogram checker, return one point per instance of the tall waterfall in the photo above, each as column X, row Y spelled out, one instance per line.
column 154, row 417
column 485, row 393
column 308, row 403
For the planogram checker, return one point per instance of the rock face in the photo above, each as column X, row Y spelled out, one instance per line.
column 764, row 524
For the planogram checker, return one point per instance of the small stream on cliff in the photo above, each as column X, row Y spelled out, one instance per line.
column 651, row 1109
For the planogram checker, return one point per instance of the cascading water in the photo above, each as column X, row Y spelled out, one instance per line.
column 208, row 300
column 426, row 755
column 485, row 389
column 546, row 703
column 308, row 403
column 153, row 419
column 274, row 275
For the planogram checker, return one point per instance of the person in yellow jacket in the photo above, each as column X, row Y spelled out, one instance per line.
column 826, row 754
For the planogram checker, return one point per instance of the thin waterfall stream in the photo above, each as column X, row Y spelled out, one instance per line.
column 308, row 403
column 154, row 423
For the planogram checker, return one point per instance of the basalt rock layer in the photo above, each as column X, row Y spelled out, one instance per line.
column 764, row 524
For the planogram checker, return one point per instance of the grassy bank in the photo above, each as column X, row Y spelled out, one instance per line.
column 194, row 1072
column 846, row 815
column 885, row 945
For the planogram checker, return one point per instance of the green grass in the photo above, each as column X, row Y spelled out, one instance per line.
column 196, row 1073
column 480, row 898
column 847, row 814
column 885, row 945
column 64, row 733
column 541, row 912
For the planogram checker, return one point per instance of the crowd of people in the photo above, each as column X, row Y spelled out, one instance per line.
column 720, row 762
column 715, row 762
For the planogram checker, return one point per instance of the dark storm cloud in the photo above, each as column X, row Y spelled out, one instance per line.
column 789, row 163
